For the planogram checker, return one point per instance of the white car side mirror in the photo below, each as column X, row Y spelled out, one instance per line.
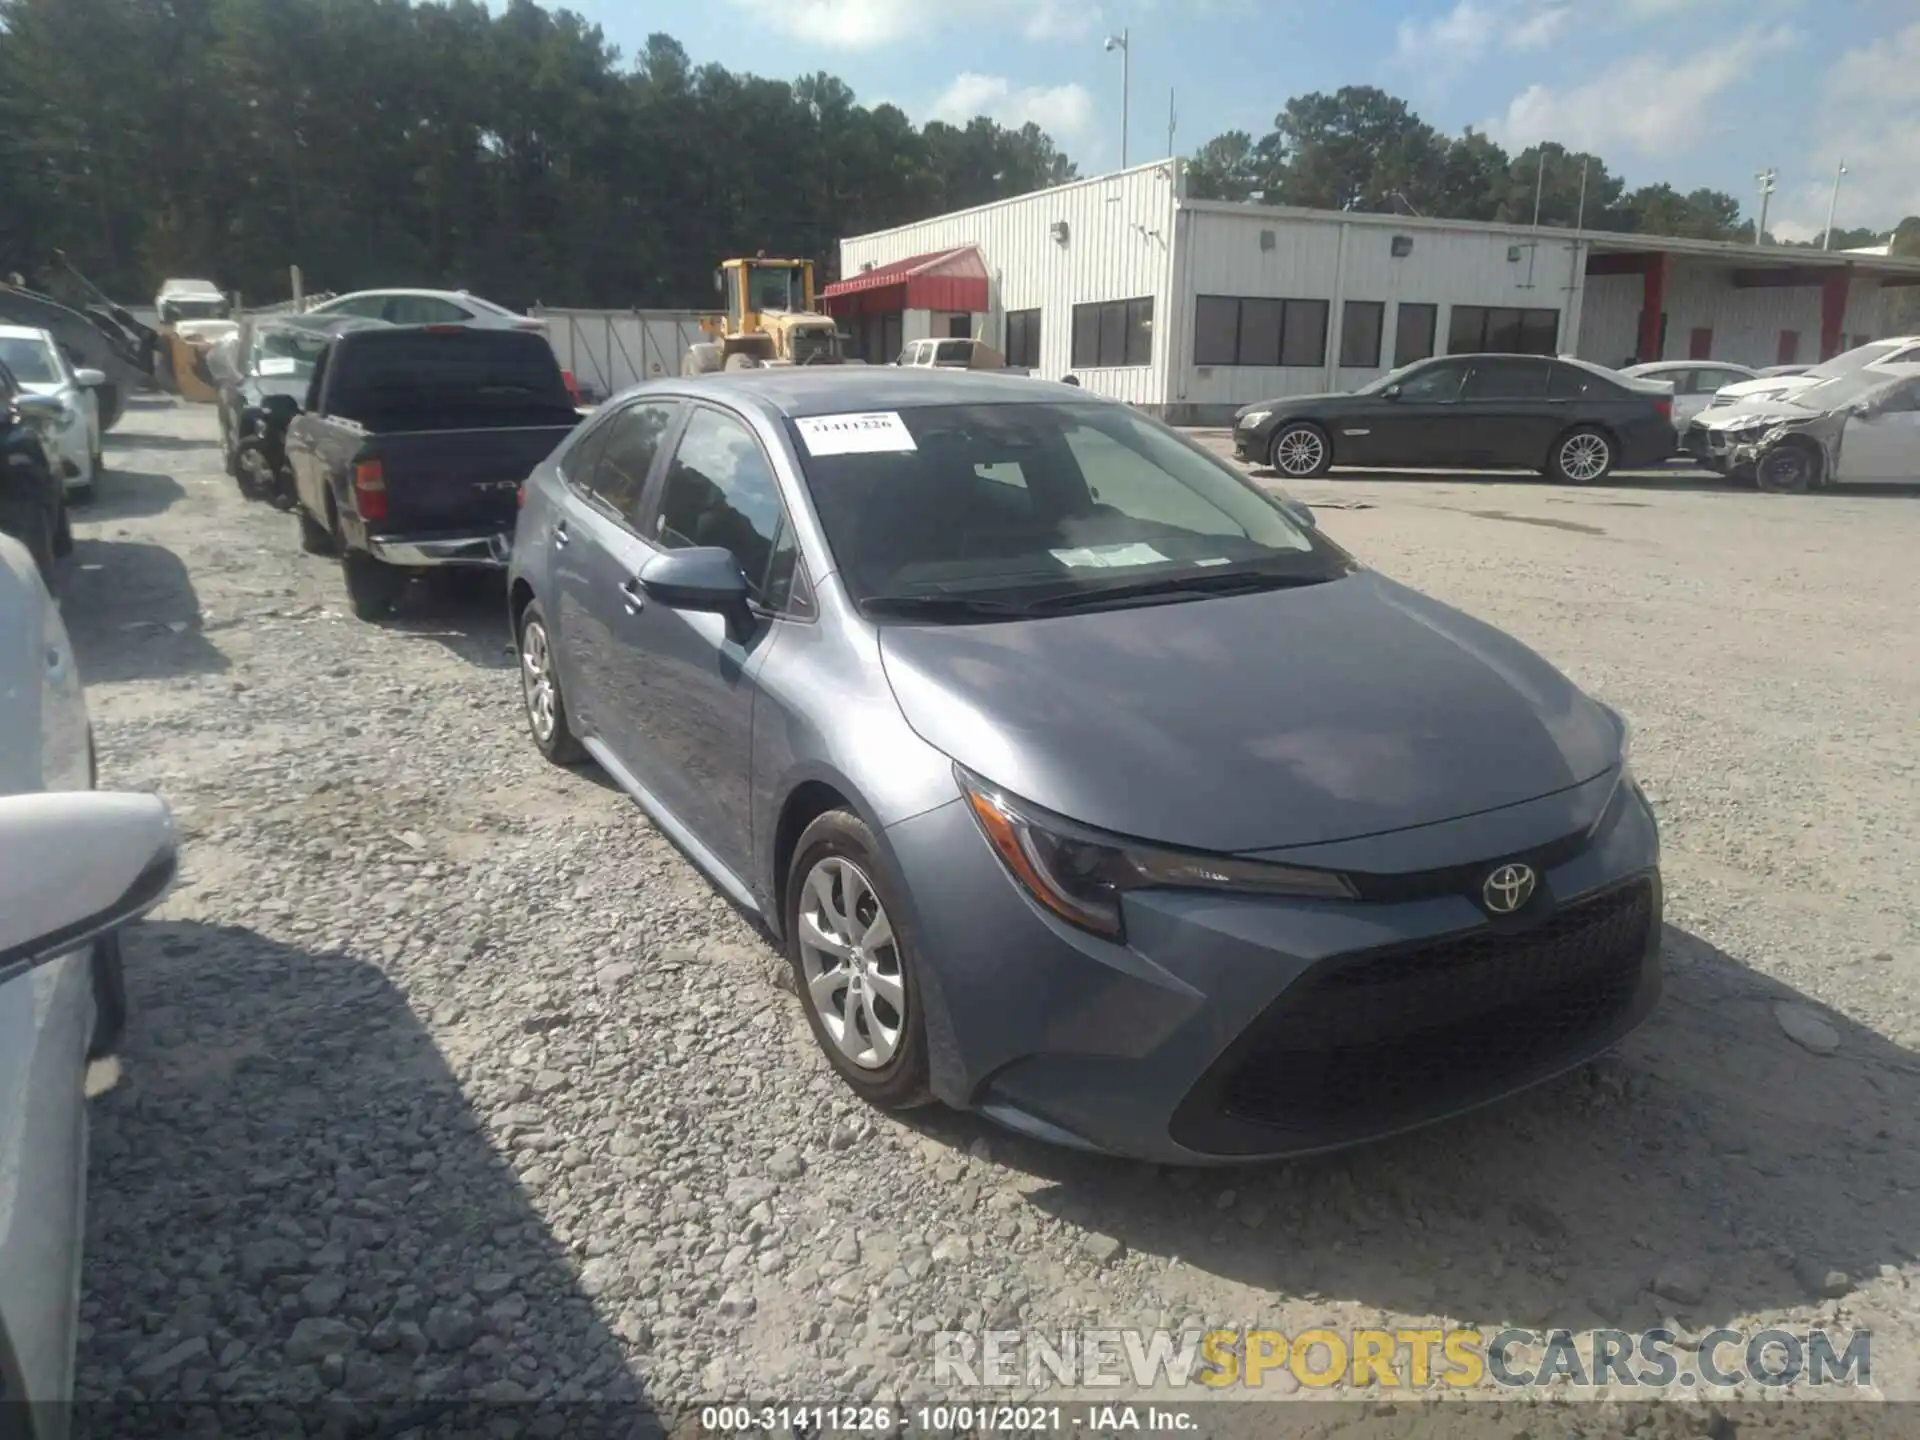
column 76, row 864
column 89, row 379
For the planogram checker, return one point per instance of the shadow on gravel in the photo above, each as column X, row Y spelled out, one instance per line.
column 133, row 614
column 129, row 495
column 1695, row 480
column 463, row 610
column 292, row 1205
column 1711, row 1169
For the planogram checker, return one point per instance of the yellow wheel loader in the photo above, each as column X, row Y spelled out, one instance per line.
column 770, row 320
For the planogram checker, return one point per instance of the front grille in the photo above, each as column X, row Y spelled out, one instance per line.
column 1364, row 1044
column 809, row 345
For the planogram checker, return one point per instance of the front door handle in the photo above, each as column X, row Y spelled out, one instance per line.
column 560, row 536
column 632, row 597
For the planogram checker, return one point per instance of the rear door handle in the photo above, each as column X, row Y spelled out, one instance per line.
column 632, row 597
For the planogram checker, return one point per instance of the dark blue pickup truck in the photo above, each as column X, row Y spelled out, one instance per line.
column 411, row 448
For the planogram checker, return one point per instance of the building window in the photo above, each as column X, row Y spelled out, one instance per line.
column 1233, row 331
column 1023, row 338
column 1413, row 330
column 1113, row 332
column 1501, row 330
column 1789, row 351
column 1360, row 325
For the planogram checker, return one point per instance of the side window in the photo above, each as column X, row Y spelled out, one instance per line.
column 720, row 490
column 619, row 474
column 583, row 453
column 423, row 310
column 1712, row 380
column 1566, row 383
column 1433, row 384
column 1506, row 380
column 368, row 307
column 1902, row 400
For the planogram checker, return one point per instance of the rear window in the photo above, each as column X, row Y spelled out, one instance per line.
column 380, row 375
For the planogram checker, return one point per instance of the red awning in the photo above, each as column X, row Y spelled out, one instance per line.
column 945, row 280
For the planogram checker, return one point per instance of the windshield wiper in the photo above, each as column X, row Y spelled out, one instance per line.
column 942, row 607
column 1241, row 582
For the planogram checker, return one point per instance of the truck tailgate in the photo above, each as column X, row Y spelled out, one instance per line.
column 457, row 480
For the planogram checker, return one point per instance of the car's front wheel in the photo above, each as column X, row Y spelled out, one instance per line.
column 1788, row 469
column 540, row 690
column 853, row 963
column 1301, row 451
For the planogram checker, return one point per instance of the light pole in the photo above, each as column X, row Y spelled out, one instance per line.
column 1119, row 42
column 1826, row 241
column 1766, row 179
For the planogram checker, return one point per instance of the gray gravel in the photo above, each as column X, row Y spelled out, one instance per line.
column 450, row 1080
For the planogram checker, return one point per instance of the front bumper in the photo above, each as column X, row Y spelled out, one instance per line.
column 1234, row 1028
column 1250, row 445
column 489, row 550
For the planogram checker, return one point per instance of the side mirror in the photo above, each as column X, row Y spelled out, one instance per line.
column 1392, row 392
column 89, row 378
column 76, row 864
column 43, row 409
column 1299, row 512
column 1865, row 409
column 719, row 282
column 706, row 577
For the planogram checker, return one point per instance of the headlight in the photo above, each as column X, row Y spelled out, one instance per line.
column 1626, row 731
column 1080, row 874
column 1253, row 419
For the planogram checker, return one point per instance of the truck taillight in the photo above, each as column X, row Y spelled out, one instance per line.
column 370, row 489
column 1665, row 407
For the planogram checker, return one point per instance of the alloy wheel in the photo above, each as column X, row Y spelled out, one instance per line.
column 851, row 963
column 536, row 680
column 1584, row 457
column 1299, row 452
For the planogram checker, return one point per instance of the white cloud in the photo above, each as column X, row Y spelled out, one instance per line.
column 1870, row 118
column 1474, row 29
column 1656, row 104
column 876, row 24
column 1063, row 111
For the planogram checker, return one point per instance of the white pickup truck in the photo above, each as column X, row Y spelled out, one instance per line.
column 957, row 355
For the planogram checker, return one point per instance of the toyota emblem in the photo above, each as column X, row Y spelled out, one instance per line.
column 1507, row 889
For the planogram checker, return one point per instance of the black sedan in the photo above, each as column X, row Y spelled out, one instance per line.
column 261, row 377
column 33, row 498
column 1567, row 419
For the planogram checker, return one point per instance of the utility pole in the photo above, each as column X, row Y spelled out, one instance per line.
column 1766, row 178
column 1826, row 241
column 1173, row 123
column 1119, row 42
column 1539, row 183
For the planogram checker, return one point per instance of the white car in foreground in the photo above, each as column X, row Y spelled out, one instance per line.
column 1897, row 350
column 74, row 864
column 73, row 437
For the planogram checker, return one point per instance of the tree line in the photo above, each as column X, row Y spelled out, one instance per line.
column 517, row 154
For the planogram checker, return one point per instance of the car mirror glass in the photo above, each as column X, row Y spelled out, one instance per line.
column 74, row 865
column 1392, row 392
column 89, row 379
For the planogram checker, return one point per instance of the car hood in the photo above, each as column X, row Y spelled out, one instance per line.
column 1758, row 412
column 1253, row 722
column 1765, row 387
column 46, row 387
column 1292, row 404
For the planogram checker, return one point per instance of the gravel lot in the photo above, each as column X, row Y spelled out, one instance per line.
column 449, row 1078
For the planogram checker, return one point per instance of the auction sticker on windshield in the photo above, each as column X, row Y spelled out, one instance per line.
column 1108, row 557
column 877, row 432
column 278, row 365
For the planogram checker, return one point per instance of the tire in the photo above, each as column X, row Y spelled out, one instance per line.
column 1788, row 469
column 373, row 586
column 315, row 538
column 34, row 527
column 63, row 534
column 109, row 997
column 1582, row 456
column 839, row 886
column 1301, row 451
column 540, row 696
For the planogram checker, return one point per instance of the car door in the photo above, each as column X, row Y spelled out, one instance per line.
column 1504, row 416
column 719, row 489
column 422, row 310
column 1416, row 425
column 1883, row 447
column 596, row 552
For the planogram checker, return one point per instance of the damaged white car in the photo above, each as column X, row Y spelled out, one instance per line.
column 1862, row 428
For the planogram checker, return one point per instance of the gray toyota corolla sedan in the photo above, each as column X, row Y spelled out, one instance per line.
column 1085, row 784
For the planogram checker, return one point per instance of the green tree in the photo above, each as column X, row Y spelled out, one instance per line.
column 1356, row 149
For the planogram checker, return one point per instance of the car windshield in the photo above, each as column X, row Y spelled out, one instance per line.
column 31, row 360
column 1011, row 504
column 287, row 352
column 1842, row 390
column 1852, row 360
column 1392, row 377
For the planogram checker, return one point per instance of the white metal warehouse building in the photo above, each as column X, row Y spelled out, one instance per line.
column 1192, row 308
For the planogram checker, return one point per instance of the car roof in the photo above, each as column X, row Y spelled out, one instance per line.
column 400, row 290
column 840, row 389
column 25, row 332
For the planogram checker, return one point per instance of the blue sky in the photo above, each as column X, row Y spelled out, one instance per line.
column 1694, row 92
